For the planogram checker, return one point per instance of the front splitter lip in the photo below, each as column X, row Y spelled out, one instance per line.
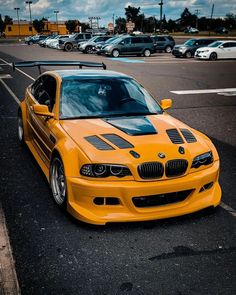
column 81, row 194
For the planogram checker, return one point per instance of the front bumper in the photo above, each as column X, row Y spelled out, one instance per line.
column 81, row 194
column 202, row 55
column 178, row 53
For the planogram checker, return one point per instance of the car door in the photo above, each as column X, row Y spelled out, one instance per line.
column 232, row 49
column 225, row 50
column 136, row 45
column 125, row 46
column 43, row 92
column 160, row 43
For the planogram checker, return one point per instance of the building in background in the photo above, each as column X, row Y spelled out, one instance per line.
column 26, row 28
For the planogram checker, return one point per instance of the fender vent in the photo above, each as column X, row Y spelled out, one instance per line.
column 118, row 141
column 174, row 136
column 189, row 137
column 98, row 143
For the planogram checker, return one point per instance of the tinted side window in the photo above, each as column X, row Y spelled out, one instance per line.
column 126, row 41
column 136, row 40
column 80, row 36
column 44, row 91
column 226, row 45
column 232, row 44
column 161, row 39
column 147, row 40
column 87, row 36
column 170, row 38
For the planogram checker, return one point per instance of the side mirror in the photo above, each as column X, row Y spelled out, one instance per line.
column 166, row 103
column 122, row 43
column 42, row 110
column 221, row 47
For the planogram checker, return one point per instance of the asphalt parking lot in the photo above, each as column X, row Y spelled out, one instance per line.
column 55, row 254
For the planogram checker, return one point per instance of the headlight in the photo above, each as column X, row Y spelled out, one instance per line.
column 108, row 47
column 203, row 159
column 104, row 170
column 182, row 48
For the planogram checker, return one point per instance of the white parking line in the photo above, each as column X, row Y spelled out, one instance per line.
column 203, row 91
column 19, row 70
column 10, row 91
column 228, row 209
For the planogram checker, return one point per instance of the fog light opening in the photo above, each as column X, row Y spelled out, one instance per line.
column 99, row 201
column 112, row 201
column 206, row 187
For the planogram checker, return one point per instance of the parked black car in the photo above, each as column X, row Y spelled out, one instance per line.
column 189, row 47
column 221, row 30
column 130, row 45
column 162, row 42
column 70, row 43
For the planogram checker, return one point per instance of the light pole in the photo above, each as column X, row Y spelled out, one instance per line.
column 29, row 2
column 197, row 13
column 56, row 12
column 17, row 12
column 161, row 4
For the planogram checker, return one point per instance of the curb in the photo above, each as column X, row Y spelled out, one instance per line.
column 8, row 278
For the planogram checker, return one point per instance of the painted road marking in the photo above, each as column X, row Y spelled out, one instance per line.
column 8, row 277
column 125, row 59
column 19, row 70
column 228, row 209
column 233, row 93
column 10, row 91
column 203, row 91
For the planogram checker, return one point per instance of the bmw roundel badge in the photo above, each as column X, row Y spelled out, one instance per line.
column 161, row 155
column 181, row 150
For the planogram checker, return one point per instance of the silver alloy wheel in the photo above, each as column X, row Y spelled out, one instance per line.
column 68, row 47
column 188, row 54
column 168, row 49
column 20, row 128
column 115, row 53
column 147, row 53
column 58, row 181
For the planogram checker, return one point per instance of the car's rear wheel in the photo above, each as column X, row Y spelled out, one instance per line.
column 168, row 49
column 30, row 43
column 20, row 128
column 213, row 56
column 147, row 53
column 115, row 53
column 68, row 47
column 58, row 182
column 188, row 54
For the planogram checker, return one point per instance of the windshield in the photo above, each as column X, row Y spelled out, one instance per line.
column 111, row 40
column 190, row 42
column 92, row 39
column 104, row 97
column 215, row 44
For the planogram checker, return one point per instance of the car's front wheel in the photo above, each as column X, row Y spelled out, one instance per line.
column 88, row 49
column 147, row 53
column 115, row 53
column 20, row 128
column 58, row 182
column 213, row 56
column 188, row 54
column 68, row 47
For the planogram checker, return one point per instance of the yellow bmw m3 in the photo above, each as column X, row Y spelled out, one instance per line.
column 110, row 152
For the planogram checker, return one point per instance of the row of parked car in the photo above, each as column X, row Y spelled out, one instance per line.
column 139, row 45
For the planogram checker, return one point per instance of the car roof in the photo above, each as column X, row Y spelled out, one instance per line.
column 65, row 74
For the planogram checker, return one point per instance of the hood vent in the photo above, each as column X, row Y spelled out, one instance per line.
column 189, row 137
column 118, row 141
column 98, row 143
column 174, row 136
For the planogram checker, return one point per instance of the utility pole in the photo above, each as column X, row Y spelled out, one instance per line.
column 17, row 13
column 56, row 12
column 161, row 4
column 29, row 2
column 197, row 11
column 212, row 11
column 113, row 21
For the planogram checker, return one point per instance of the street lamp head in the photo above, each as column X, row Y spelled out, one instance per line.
column 28, row 2
column 56, row 11
column 17, row 8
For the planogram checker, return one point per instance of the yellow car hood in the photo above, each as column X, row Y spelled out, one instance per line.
column 148, row 144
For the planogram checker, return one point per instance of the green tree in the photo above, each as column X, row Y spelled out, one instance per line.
column 187, row 18
column 84, row 26
column 2, row 25
column 38, row 25
column 71, row 25
column 132, row 13
column 120, row 25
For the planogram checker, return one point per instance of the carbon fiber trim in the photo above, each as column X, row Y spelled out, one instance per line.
column 118, row 141
column 174, row 136
column 189, row 137
column 98, row 143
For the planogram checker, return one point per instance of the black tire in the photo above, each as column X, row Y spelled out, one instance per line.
column 20, row 128
column 115, row 53
column 147, row 52
column 188, row 54
column 68, row 47
column 213, row 56
column 30, row 43
column 168, row 49
column 58, row 182
column 87, row 49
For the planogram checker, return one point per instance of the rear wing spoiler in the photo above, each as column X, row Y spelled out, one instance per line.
column 38, row 64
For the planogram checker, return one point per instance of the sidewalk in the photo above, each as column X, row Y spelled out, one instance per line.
column 8, row 278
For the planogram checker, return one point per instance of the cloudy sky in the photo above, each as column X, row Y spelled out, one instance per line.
column 82, row 9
